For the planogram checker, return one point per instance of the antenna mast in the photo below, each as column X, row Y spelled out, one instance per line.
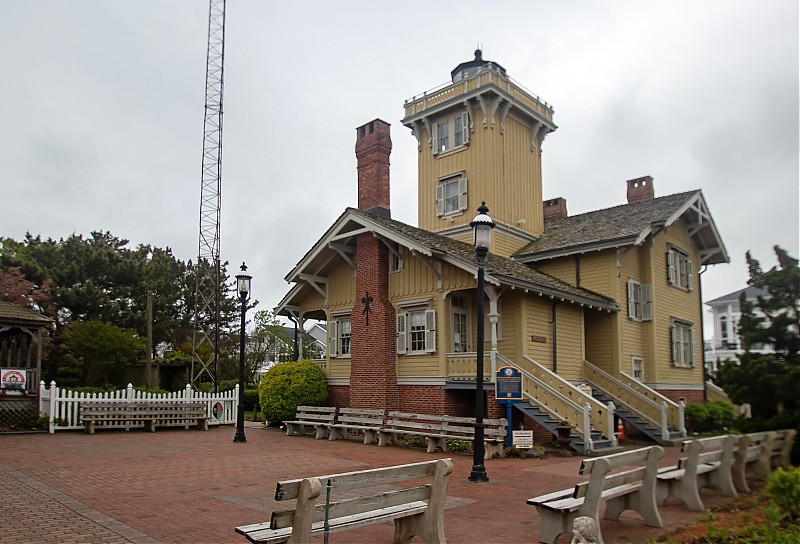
column 205, row 337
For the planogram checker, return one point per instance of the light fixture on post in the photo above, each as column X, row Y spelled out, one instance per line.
column 482, row 227
column 243, row 287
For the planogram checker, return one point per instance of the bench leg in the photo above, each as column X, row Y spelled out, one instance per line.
column 492, row 449
column 202, row 424
column 385, row 439
column 336, row 434
column 150, row 425
column 434, row 443
column 554, row 524
column 420, row 525
column 369, row 436
column 88, row 427
column 319, row 432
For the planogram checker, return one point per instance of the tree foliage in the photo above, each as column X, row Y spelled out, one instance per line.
column 767, row 381
column 102, row 351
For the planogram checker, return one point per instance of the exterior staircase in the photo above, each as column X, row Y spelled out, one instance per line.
column 638, row 422
column 601, row 445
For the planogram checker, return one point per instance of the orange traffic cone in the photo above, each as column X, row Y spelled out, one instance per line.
column 620, row 430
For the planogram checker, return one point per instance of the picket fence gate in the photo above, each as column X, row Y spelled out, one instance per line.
column 61, row 405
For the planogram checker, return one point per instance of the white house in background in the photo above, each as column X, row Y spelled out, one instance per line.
column 725, row 344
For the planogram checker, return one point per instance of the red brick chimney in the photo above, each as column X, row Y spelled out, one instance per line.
column 373, row 368
column 373, row 147
column 640, row 189
column 555, row 208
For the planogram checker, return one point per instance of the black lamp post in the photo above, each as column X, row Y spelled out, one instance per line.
column 243, row 286
column 482, row 227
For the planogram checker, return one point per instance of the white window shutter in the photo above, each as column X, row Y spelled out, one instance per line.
column 401, row 333
column 430, row 331
column 647, row 302
column 631, row 309
column 465, row 127
column 671, row 268
column 333, row 339
column 435, row 138
column 462, row 196
column 689, row 283
column 440, row 200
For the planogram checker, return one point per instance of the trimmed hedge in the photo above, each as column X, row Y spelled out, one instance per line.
column 286, row 386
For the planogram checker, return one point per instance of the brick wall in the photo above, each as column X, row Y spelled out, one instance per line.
column 640, row 189
column 339, row 396
column 555, row 208
column 373, row 147
column 691, row 396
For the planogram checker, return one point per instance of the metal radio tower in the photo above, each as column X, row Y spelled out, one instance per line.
column 205, row 338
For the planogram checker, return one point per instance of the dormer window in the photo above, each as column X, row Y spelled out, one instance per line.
column 450, row 133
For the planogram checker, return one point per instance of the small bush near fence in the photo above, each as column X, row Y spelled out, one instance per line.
column 716, row 415
column 783, row 487
column 286, row 386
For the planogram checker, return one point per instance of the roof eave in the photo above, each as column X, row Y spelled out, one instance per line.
column 577, row 249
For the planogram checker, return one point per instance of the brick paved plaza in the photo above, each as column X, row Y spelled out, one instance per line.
column 180, row 485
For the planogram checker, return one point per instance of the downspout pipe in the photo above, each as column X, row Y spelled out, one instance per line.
column 555, row 344
column 702, row 329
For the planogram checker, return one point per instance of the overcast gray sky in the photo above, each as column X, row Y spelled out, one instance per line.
column 103, row 113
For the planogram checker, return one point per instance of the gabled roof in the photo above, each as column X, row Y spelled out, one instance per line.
column 13, row 313
column 500, row 271
column 629, row 224
column 750, row 293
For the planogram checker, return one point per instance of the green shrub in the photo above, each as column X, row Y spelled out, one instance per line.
column 251, row 399
column 709, row 416
column 783, row 487
column 286, row 386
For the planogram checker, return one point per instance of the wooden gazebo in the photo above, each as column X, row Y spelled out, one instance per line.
column 21, row 334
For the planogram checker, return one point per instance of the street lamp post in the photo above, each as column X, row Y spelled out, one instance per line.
column 243, row 287
column 482, row 227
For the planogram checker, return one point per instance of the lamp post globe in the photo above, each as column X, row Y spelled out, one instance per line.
column 482, row 227
column 243, row 280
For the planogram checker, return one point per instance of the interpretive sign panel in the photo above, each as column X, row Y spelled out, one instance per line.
column 508, row 384
column 523, row 439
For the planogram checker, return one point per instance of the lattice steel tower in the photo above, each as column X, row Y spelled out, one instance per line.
column 205, row 338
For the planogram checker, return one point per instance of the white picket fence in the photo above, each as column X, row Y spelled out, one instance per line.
column 61, row 405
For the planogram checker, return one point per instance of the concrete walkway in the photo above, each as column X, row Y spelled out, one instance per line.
column 180, row 485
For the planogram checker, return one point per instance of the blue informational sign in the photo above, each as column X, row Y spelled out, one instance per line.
column 508, row 384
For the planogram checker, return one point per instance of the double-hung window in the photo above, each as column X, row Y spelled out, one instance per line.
column 679, row 269
column 460, row 324
column 339, row 337
column 416, row 331
column 451, row 195
column 682, row 337
column 637, row 365
column 640, row 301
column 450, row 133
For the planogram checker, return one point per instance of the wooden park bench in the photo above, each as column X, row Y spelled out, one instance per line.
column 150, row 412
column 708, row 463
column 437, row 430
column 628, row 489
column 757, row 453
column 368, row 421
column 339, row 502
column 318, row 417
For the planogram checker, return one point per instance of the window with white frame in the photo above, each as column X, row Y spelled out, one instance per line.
column 682, row 337
column 640, row 301
column 451, row 195
column 339, row 338
column 460, row 324
column 723, row 328
column 637, row 367
column 679, row 269
column 416, row 331
column 450, row 133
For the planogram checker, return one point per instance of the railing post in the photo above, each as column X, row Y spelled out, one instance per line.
column 587, row 428
column 681, row 417
column 664, row 427
column 610, row 411
column 52, row 415
column 188, row 393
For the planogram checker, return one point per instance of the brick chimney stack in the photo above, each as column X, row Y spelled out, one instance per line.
column 555, row 208
column 373, row 147
column 640, row 189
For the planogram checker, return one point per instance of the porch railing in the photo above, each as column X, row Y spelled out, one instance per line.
column 564, row 401
column 61, row 406
column 646, row 402
column 462, row 366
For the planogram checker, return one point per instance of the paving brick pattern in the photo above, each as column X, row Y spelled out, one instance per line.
column 180, row 485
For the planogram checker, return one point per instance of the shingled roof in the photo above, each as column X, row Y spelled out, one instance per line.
column 627, row 224
column 13, row 313
column 499, row 270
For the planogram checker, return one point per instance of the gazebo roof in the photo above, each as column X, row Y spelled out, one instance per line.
column 14, row 314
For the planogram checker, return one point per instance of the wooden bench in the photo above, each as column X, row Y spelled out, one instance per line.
column 628, row 489
column 368, row 421
column 757, row 453
column 417, row 509
column 319, row 417
column 708, row 463
column 437, row 430
column 150, row 412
